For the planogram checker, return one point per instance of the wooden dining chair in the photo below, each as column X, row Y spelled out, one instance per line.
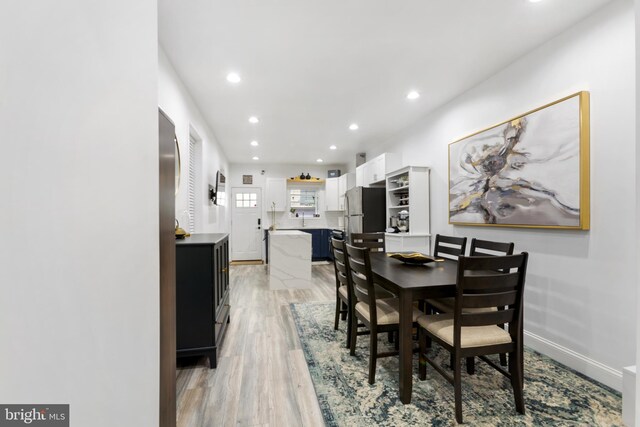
column 446, row 305
column 344, row 290
column 373, row 241
column 482, row 282
column 378, row 315
column 451, row 248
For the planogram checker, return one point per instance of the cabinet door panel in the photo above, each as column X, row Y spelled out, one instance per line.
column 194, row 288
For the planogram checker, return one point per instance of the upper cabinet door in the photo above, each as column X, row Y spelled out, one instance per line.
column 360, row 176
column 332, row 196
column 276, row 192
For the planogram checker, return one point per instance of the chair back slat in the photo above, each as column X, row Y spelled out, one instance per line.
column 489, row 300
column 362, row 277
column 491, row 281
column 449, row 247
column 339, row 262
column 373, row 241
column 493, row 263
column 485, row 282
column 495, row 248
column 488, row 318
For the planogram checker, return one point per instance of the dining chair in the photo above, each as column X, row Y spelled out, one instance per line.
column 482, row 282
column 377, row 314
column 446, row 305
column 451, row 248
column 344, row 292
column 372, row 241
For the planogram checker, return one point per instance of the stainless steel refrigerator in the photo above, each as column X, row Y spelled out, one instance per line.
column 365, row 210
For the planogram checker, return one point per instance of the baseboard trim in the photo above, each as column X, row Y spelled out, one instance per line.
column 589, row 367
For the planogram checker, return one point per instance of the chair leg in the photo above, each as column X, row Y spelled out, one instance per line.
column 343, row 306
column 471, row 365
column 390, row 336
column 503, row 359
column 457, row 389
column 354, row 335
column 452, row 362
column 422, row 360
column 349, row 321
column 337, row 319
column 397, row 340
column 516, row 380
column 373, row 355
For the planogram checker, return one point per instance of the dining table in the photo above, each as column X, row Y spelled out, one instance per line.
column 412, row 282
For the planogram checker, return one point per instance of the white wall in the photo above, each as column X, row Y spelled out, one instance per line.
column 581, row 286
column 637, row 169
column 176, row 101
column 79, row 280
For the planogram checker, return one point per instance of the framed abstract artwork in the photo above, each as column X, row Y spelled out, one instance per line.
column 529, row 171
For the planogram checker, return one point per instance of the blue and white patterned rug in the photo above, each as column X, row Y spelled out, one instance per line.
column 554, row 394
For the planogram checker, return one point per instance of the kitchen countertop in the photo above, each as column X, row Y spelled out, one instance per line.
column 292, row 232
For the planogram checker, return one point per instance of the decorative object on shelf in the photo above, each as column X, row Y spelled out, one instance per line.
column 181, row 233
column 530, row 171
column 302, row 176
column 403, row 221
column 307, row 176
column 413, row 257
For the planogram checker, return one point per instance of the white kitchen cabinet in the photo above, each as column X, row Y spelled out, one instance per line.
column 332, row 194
column 405, row 243
column 346, row 182
column 276, row 192
column 360, row 176
column 408, row 191
column 375, row 170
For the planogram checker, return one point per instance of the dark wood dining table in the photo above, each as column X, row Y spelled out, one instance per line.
column 411, row 283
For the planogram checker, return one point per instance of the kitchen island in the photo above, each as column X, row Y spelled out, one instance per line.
column 290, row 259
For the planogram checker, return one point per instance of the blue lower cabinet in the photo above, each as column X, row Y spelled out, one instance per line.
column 319, row 244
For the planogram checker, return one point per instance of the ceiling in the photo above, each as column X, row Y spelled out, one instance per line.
column 310, row 68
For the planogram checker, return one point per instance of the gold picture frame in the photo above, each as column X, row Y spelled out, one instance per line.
column 531, row 171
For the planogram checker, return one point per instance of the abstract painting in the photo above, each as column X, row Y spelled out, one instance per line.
column 529, row 171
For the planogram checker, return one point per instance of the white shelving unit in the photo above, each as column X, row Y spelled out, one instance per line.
column 408, row 189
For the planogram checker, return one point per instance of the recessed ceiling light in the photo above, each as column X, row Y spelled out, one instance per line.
column 319, row 160
column 233, row 78
column 254, row 143
column 353, row 126
column 253, row 119
column 256, row 158
column 413, row 95
column 333, row 147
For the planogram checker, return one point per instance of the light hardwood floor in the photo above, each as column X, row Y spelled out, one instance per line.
column 262, row 377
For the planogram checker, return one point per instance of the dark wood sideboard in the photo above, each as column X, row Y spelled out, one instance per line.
column 202, row 294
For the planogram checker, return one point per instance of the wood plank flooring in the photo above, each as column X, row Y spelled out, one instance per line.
column 262, row 377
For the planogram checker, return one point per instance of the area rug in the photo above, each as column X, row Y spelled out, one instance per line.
column 554, row 394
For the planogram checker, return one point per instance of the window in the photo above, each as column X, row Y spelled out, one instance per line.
column 246, row 200
column 303, row 202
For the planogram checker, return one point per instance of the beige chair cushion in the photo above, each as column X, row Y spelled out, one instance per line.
column 382, row 293
column 387, row 311
column 441, row 325
column 447, row 305
column 342, row 290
